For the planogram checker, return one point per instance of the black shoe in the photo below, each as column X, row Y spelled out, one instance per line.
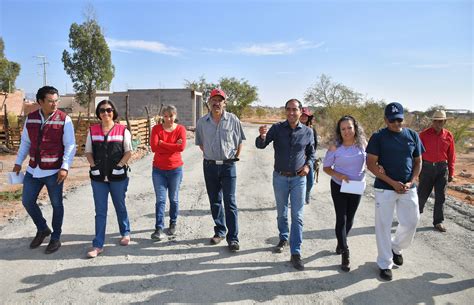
column 39, row 238
column 281, row 245
column 397, row 259
column 172, row 229
column 53, row 246
column 297, row 262
column 234, row 246
column 216, row 239
column 386, row 274
column 338, row 250
column 157, row 235
column 345, row 262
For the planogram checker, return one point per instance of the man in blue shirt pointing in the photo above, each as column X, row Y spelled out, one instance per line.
column 293, row 143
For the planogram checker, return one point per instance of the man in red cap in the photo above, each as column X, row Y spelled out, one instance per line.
column 219, row 134
column 306, row 118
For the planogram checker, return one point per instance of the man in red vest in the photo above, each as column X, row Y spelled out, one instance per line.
column 48, row 139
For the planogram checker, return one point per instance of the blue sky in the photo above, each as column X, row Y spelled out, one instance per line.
column 419, row 53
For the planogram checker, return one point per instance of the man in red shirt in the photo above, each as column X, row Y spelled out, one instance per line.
column 438, row 166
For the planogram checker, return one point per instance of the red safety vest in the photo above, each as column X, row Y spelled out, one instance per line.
column 107, row 151
column 47, row 148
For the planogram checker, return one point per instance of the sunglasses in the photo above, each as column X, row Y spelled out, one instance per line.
column 395, row 120
column 104, row 110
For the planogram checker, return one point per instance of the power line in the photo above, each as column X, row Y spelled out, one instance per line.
column 44, row 63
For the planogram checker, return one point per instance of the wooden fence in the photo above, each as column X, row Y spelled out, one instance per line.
column 10, row 132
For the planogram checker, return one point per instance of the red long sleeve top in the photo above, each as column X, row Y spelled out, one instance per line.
column 168, row 152
column 439, row 147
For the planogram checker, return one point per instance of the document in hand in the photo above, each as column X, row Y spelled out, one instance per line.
column 13, row 178
column 353, row 187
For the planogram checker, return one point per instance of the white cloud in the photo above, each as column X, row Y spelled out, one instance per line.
column 143, row 45
column 274, row 48
column 279, row 48
column 432, row 66
column 216, row 50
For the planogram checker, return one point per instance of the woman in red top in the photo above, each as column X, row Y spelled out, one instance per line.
column 167, row 141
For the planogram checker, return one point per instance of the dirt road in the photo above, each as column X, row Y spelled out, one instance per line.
column 438, row 268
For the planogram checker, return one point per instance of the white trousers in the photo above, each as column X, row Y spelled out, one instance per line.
column 408, row 215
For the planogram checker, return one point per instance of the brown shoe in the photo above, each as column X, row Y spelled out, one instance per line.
column 53, row 246
column 125, row 240
column 440, row 227
column 94, row 252
column 39, row 238
column 216, row 239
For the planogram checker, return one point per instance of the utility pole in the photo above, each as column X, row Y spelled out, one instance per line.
column 44, row 63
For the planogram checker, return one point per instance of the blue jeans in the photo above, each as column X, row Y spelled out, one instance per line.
column 220, row 184
column 293, row 188
column 117, row 190
column 309, row 182
column 31, row 189
column 166, row 180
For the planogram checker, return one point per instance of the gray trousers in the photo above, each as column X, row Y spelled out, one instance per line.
column 433, row 175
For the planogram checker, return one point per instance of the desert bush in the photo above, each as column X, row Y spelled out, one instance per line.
column 260, row 112
column 248, row 112
column 12, row 120
column 462, row 130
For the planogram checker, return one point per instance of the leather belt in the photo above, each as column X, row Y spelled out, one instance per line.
column 434, row 163
column 220, row 162
column 288, row 174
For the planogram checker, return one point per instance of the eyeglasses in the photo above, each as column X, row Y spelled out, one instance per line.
column 395, row 120
column 104, row 110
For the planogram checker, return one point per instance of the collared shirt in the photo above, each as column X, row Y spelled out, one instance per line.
column 396, row 153
column 293, row 147
column 220, row 141
column 69, row 142
column 439, row 147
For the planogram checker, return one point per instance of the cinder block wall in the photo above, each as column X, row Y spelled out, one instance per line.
column 183, row 99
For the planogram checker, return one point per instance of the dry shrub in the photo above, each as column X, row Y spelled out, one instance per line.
column 369, row 115
column 12, row 120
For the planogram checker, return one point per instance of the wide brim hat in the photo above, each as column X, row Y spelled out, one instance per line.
column 439, row 115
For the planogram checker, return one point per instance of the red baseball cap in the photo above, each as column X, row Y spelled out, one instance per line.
column 306, row 111
column 217, row 91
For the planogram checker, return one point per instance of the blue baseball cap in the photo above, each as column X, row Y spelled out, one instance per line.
column 394, row 111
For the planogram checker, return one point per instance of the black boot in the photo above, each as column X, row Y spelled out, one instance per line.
column 345, row 262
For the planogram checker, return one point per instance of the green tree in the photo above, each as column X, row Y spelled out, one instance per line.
column 9, row 71
column 240, row 94
column 90, row 64
column 201, row 85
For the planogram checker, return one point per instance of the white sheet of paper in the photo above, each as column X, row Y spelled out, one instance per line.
column 353, row 187
column 13, row 178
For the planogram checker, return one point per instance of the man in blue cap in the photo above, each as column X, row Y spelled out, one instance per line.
column 398, row 150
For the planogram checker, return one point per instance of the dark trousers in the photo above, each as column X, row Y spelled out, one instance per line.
column 433, row 175
column 346, row 206
column 220, row 185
